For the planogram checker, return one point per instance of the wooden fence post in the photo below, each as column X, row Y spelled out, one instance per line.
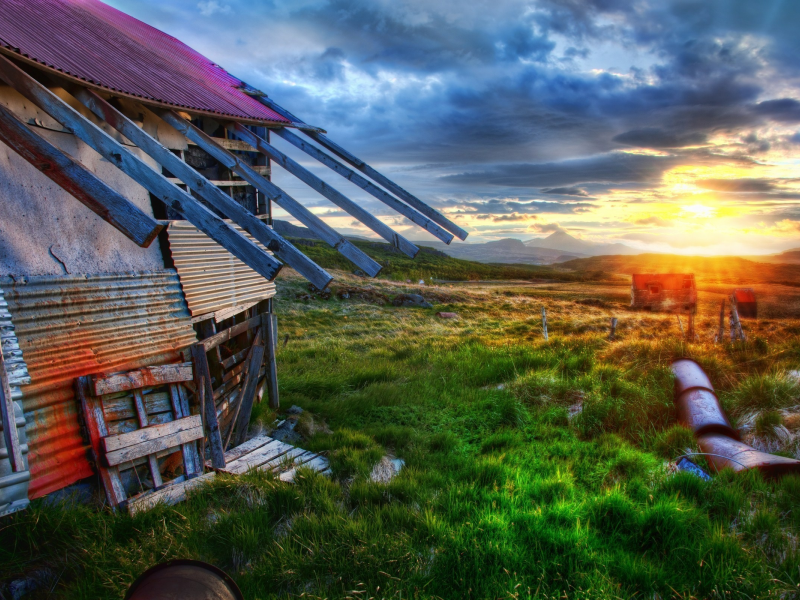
column 721, row 332
column 735, row 323
column 202, row 377
column 680, row 324
column 271, row 380
column 613, row 333
column 690, row 330
column 544, row 323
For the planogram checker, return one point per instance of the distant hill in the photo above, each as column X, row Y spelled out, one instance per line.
column 566, row 243
column 789, row 256
column 507, row 251
column 707, row 269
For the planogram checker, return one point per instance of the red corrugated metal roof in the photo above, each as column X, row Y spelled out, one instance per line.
column 91, row 41
column 744, row 295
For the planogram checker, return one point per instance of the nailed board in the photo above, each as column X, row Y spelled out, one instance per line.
column 266, row 454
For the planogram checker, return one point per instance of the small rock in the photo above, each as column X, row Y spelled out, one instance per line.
column 386, row 469
column 413, row 300
column 447, row 315
column 422, row 282
column 294, row 410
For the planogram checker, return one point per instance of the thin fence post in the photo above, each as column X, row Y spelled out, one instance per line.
column 690, row 332
column 721, row 332
column 613, row 333
column 544, row 323
column 680, row 324
column 735, row 322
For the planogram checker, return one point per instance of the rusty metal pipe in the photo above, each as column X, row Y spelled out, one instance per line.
column 184, row 580
column 697, row 405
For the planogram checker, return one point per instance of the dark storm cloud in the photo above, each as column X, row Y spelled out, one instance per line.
column 654, row 137
column 566, row 191
column 786, row 110
column 511, row 207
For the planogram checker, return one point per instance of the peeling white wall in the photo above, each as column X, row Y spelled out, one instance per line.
column 46, row 231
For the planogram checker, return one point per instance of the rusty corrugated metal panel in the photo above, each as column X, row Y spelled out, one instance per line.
column 91, row 41
column 212, row 279
column 75, row 325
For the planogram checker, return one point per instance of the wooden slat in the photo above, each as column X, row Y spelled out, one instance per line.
column 169, row 495
column 123, row 408
column 149, row 447
column 227, row 334
column 235, row 359
column 9, row 421
column 208, row 190
column 128, row 425
column 82, row 184
column 96, row 427
column 214, row 182
column 203, row 380
column 274, row 193
column 285, row 459
column 318, row 464
column 235, row 371
column 190, row 453
column 359, row 164
column 366, row 185
column 254, row 459
column 318, row 185
column 271, row 343
column 145, row 377
column 232, row 145
column 152, row 460
column 117, row 442
column 249, row 446
column 136, row 168
column 189, row 466
column 242, row 420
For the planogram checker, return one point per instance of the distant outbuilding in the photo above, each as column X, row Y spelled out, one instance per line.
column 746, row 305
column 664, row 292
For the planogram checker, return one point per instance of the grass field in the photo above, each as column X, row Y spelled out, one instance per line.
column 533, row 469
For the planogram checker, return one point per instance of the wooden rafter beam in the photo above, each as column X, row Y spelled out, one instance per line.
column 359, row 164
column 205, row 189
column 277, row 195
column 202, row 218
column 339, row 199
column 365, row 184
column 82, row 184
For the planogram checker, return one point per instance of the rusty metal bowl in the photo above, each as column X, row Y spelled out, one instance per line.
column 183, row 579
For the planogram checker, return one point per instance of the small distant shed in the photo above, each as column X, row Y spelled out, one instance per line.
column 665, row 292
column 746, row 306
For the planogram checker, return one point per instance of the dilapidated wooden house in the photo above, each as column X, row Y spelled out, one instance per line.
column 664, row 292
column 135, row 213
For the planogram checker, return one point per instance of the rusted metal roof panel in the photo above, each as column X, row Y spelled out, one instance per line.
column 91, row 41
column 213, row 280
column 76, row 325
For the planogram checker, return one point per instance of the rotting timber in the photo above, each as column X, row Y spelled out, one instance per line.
column 159, row 144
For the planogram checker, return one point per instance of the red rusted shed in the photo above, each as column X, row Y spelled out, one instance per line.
column 76, row 325
column 669, row 292
column 92, row 42
column 746, row 305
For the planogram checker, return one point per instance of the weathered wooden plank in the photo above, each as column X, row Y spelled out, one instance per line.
column 203, row 381
column 249, row 446
column 318, row 464
column 285, row 461
column 264, row 454
column 82, row 184
column 128, row 425
column 208, row 190
column 359, row 164
column 150, row 447
column 235, row 359
column 152, row 460
column 96, row 427
column 145, row 377
column 123, row 408
column 227, row 334
column 235, row 371
column 117, row 442
column 242, row 420
column 137, row 169
column 9, row 422
column 190, row 452
column 169, row 495
column 365, row 184
column 332, row 194
column 215, row 182
column 271, row 343
column 232, row 145
column 269, row 189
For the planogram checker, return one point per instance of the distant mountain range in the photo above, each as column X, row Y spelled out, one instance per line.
column 789, row 256
column 561, row 240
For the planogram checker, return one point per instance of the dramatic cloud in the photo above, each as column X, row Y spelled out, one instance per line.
column 642, row 107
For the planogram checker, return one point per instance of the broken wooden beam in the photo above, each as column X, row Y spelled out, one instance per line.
column 332, row 194
column 273, row 192
column 202, row 380
column 205, row 188
column 359, row 164
column 401, row 207
column 82, row 184
column 202, row 218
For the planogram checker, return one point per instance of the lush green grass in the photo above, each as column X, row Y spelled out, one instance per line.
column 430, row 263
column 504, row 493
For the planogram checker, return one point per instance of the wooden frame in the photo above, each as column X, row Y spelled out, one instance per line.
column 150, row 438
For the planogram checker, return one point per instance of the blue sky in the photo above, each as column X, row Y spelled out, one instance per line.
column 667, row 125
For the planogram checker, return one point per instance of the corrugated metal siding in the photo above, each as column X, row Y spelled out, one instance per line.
column 99, row 44
column 211, row 277
column 75, row 325
column 16, row 368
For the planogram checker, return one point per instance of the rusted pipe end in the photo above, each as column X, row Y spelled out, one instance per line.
column 689, row 375
column 741, row 457
column 697, row 405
